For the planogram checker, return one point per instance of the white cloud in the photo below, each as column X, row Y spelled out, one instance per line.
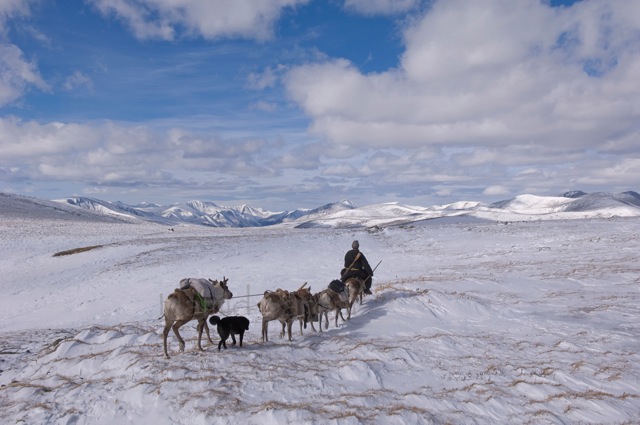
column 487, row 74
column 210, row 19
column 619, row 172
column 13, row 8
column 22, row 140
column 110, row 153
column 475, row 40
column 138, row 16
column 17, row 74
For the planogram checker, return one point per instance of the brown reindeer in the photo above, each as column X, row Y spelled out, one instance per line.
column 355, row 289
column 326, row 301
column 187, row 304
column 305, row 297
column 283, row 306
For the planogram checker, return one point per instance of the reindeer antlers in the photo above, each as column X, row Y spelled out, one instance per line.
column 224, row 280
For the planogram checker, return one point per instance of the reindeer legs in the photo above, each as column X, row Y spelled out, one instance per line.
column 165, row 333
column 206, row 329
column 289, row 323
column 202, row 324
column 265, row 329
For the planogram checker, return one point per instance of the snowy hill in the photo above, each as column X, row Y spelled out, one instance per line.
column 600, row 205
column 520, row 208
column 16, row 206
column 630, row 197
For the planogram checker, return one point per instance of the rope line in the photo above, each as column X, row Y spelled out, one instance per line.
column 245, row 296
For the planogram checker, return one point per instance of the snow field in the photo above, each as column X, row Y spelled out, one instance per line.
column 532, row 322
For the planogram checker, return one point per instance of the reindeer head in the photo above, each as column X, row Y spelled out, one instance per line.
column 227, row 293
column 304, row 293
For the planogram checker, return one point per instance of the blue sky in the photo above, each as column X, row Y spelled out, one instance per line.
column 283, row 104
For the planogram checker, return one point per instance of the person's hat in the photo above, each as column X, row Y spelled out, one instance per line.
column 355, row 245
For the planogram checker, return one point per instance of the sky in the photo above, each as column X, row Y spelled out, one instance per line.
column 285, row 104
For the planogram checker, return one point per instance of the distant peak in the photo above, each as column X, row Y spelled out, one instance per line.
column 573, row 194
column 631, row 193
column 347, row 204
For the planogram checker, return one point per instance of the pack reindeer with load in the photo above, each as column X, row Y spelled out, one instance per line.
column 199, row 298
column 196, row 299
column 285, row 306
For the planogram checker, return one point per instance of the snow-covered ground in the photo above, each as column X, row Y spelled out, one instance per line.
column 470, row 323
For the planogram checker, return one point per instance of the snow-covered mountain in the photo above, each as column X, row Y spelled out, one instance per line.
column 520, row 208
column 343, row 214
column 205, row 213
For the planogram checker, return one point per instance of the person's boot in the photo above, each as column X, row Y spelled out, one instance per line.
column 367, row 290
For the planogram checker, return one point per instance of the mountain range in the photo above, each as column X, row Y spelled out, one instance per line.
column 570, row 205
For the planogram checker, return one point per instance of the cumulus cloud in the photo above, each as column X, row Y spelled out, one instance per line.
column 487, row 73
column 20, row 140
column 210, row 19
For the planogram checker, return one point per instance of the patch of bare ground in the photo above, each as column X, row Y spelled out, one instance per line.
column 77, row 250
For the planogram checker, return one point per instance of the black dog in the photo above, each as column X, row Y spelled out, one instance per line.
column 232, row 325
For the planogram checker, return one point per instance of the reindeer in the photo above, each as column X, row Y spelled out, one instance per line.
column 355, row 289
column 326, row 301
column 186, row 304
column 283, row 306
column 306, row 304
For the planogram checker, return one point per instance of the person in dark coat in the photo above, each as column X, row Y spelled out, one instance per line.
column 356, row 264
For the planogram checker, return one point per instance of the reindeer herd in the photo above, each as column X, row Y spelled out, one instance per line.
column 197, row 299
column 285, row 306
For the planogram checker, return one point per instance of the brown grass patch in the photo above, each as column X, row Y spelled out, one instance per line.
column 76, row 250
